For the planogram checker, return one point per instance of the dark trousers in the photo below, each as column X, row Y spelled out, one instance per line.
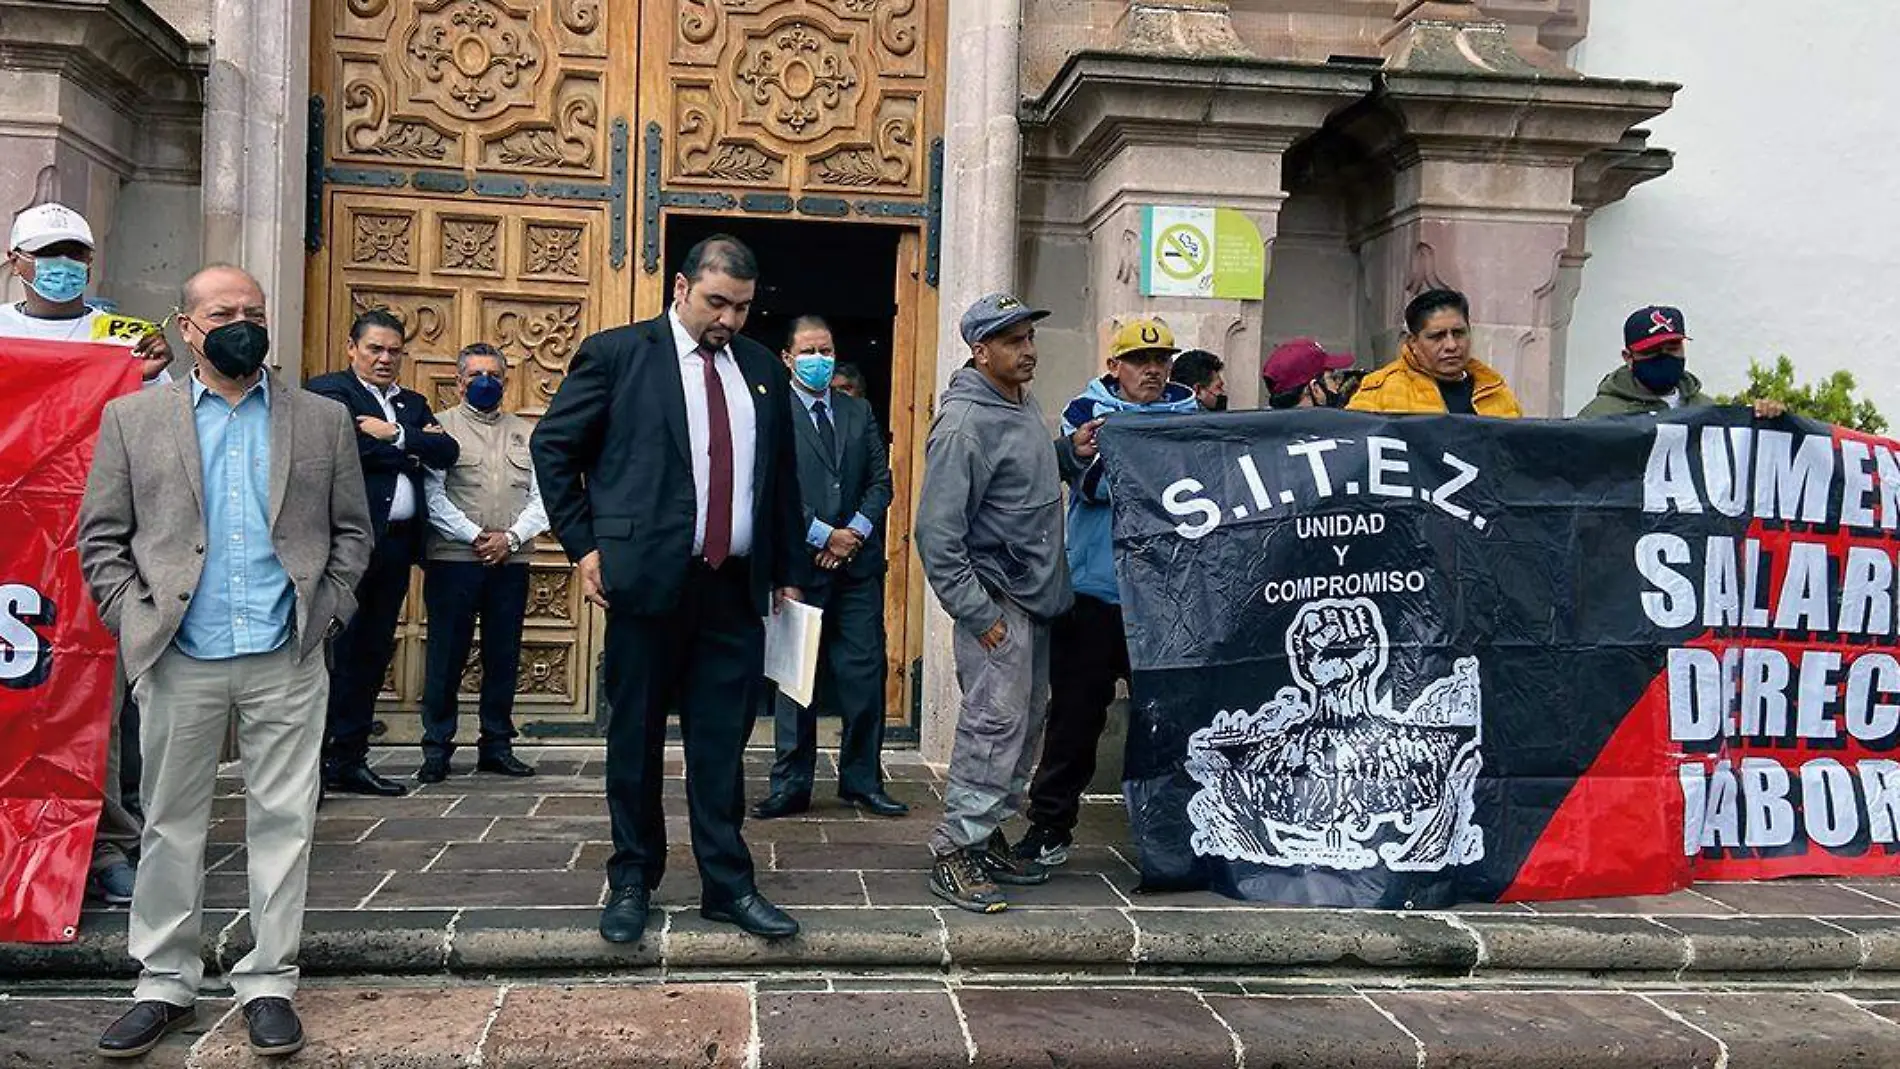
column 709, row 656
column 361, row 653
column 851, row 681
column 1088, row 652
column 456, row 592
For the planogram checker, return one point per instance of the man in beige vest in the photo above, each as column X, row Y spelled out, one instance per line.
column 484, row 511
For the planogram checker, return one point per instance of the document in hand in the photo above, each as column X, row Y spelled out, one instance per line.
column 791, row 649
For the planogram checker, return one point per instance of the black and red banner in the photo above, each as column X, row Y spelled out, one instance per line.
column 55, row 655
column 1412, row 661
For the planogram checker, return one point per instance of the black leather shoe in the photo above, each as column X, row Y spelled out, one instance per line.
column 876, row 802
column 780, row 804
column 275, row 1029
column 625, row 918
column 504, row 764
column 753, row 914
column 358, row 779
column 434, row 770
column 141, row 1027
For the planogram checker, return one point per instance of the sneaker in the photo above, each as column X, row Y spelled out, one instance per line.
column 960, row 879
column 1005, row 867
column 113, row 884
column 1044, row 845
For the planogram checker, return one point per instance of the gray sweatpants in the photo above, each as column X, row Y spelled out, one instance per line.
column 999, row 730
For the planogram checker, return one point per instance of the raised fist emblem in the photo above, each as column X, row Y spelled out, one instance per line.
column 1327, row 773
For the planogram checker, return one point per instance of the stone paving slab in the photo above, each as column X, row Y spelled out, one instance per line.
column 490, row 876
column 943, row 1024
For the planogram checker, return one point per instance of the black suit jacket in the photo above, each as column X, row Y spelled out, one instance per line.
column 383, row 462
column 612, row 456
column 857, row 479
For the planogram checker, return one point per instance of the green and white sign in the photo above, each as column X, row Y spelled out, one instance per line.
column 1201, row 252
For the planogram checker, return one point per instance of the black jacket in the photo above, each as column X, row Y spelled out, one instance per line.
column 383, row 462
column 836, row 488
column 615, row 473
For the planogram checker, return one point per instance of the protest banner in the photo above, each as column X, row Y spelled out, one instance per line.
column 55, row 656
column 1412, row 661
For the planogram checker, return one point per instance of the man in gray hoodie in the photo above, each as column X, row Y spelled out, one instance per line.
column 989, row 531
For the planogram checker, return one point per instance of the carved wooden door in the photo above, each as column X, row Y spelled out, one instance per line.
column 473, row 179
column 814, row 110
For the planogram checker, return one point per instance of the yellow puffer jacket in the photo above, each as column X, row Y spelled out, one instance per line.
column 1401, row 387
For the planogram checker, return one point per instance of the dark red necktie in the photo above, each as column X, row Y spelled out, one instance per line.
column 718, row 544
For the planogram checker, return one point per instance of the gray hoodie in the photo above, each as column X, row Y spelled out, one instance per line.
column 989, row 519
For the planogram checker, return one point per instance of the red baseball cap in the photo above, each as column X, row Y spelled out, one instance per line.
column 1296, row 363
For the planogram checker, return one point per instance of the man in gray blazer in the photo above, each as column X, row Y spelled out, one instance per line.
column 223, row 531
column 844, row 480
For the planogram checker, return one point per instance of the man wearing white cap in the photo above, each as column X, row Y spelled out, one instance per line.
column 51, row 253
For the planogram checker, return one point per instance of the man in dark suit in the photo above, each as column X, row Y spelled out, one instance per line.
column 844, row 476
column 397, row 437
column 667, row 466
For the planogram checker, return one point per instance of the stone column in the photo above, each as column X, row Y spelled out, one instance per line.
column 982, row 170
column 256, row 125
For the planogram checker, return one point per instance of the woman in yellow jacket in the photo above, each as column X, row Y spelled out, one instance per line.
column 1435, row 371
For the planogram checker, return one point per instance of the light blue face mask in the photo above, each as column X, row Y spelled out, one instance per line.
column 59, row 279
column 814, row 370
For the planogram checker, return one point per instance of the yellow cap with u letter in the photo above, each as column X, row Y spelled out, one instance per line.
column 1141, row 335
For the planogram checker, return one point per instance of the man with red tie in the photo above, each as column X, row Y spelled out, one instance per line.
column 668, row 468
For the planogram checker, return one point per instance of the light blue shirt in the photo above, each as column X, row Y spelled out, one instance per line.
column 820, row 531
column 244, row 598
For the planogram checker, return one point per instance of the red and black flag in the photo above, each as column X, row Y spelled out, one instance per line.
column 1410, row 661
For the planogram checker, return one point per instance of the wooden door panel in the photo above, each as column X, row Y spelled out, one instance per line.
column 475, row 184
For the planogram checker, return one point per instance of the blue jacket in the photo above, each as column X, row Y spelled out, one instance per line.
column 1091, row 545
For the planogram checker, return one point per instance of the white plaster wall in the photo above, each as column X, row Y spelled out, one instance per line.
column 1779, row 229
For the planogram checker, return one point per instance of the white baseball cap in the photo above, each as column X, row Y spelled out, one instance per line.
column 49, row 224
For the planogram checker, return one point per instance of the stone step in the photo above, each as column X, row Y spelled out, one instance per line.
column 951, row 1025
column 1099, row 943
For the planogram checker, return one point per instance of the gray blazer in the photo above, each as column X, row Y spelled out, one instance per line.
column 857, row 478
column 142, row 526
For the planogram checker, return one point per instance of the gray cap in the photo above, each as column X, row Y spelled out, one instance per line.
column 995, row 314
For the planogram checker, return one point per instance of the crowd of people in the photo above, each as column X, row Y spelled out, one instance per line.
column 250, row 543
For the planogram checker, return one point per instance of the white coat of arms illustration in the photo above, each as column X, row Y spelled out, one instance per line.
column 1330, row 774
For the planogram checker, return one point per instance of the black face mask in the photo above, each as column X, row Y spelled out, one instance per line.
column 237, row 349
column 1219, row 405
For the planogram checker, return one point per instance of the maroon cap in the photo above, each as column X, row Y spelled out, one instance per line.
column 1298, row 362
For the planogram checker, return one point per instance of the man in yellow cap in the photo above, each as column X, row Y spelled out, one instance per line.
column 1088, row 651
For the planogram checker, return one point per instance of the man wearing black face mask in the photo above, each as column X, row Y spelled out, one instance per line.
column 222, row 577
column 1200, row 371
column 1654, row 376
column 484, row 512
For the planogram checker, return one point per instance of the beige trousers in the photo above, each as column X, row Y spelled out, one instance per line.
column 185, row 705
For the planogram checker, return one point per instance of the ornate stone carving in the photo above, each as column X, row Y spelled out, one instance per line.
column 800, row 82
column 540, row 334
column 552, row 250
column 380, row 239
column 473, row 59
column 571, row 142
column 470, row 244
column 367, row 9
column 699, row 20
column 579, row 16
column 550, row 595
column 426, row 317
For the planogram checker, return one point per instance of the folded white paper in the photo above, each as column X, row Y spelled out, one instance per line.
column 791, row 649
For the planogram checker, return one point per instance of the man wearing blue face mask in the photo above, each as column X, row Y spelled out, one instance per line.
column 1655, row 376
column 844, row 479
column 51, row 253
column 484, row 513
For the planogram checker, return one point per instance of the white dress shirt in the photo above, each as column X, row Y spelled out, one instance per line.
column 744, row 421
column 403, row 505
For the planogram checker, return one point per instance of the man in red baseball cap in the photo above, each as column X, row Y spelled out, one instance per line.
column 1302, row 374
